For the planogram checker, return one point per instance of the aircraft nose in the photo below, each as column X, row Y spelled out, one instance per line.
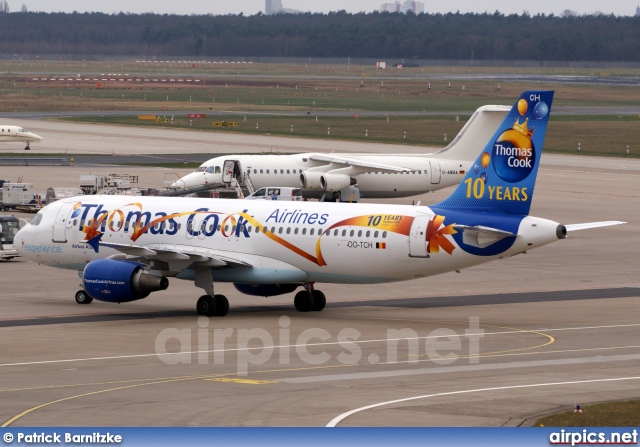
column 185, row 182
column 18, row 241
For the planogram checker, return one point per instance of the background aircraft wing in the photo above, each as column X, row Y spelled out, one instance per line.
column 346, row 161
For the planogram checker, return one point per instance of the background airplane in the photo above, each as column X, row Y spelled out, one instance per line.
column 125, row 250
column 15, row 133
column 347, row 177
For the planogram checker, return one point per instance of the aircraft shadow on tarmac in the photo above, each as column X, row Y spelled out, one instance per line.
column 412, row 303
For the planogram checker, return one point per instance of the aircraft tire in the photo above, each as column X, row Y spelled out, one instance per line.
column 303, row 301
column 206, row 306
column 319, row 301
column 222, row 305
column 82, row 297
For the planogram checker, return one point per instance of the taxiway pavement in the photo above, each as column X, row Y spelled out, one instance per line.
column 559, row 325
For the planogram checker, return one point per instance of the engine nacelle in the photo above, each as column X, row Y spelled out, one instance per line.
column 265, row 289
column 311, row 180
column 120, row 281
column 336, row 182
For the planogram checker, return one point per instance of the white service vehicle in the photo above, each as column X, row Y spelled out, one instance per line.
column 277, row 193
column 9, row 227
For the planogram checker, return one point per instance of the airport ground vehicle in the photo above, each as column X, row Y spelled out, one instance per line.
column 9, row 227
column 277, row 193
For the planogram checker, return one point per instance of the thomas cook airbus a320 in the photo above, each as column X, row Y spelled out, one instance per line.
column 126, row 248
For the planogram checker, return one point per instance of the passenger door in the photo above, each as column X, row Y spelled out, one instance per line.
column 418, row 237
column 436, row 173
column 61, row 223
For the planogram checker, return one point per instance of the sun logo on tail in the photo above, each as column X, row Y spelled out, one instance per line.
column 437, row 236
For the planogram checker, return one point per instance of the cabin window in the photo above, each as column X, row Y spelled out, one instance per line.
column 210, row 228
column 260, row 171
column 360, row 233
column 287, row 171
column 273, row 230
column 280, row 230
column 281, row 171
column 295, row 231
column 226, row 228
column 255, row 171
column 375, row 234
column 368, row 233
column 219, row 226
column 288, row 230
column 304, row 231
column 384, row 234
column 311, row 232
column 335, row 232
column 264, row 230
column 319, row 231
column 267, row 171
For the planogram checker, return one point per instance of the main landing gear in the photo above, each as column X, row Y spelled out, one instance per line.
column 27, row 148
column 212, row 306
column 309, row 300
column 82, row 297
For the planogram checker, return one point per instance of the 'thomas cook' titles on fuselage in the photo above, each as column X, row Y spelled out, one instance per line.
column 305, row 242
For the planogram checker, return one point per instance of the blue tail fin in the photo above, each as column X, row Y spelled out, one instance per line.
column 504, row 175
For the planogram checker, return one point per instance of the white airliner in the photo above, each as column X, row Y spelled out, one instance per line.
column 125, row 248
column 15, row 133
column 345, row 177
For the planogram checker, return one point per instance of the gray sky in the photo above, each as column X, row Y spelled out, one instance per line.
column 251, row 7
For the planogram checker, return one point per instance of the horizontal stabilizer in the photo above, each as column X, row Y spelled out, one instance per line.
column 588, row 225
column 480, row 236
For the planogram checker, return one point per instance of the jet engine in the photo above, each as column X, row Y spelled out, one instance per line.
column 120, row 281
column 311, row 180
column 265, row 289
column 336, row 182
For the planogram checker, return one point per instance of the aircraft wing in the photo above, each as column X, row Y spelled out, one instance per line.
column 481, row 236
column 586, row 226
column 178, row 256
column 346, row 161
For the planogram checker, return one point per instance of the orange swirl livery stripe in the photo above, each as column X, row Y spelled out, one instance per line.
column 385, row 222
column 319, row 261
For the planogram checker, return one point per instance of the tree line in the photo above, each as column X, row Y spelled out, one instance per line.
column 452, row 36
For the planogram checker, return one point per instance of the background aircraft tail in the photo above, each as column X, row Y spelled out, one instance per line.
column 475, row 133
column 504, row 174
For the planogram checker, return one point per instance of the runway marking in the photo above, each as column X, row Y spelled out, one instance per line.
column 155, row 382
column 133, row 356
column 242, row 381
column 335, row 421
column 92, row 393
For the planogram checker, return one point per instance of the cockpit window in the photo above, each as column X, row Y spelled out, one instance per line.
column 218, row 170
column 201, row 169
column 212, row 170
column 8, row 230
column 22, row 130
column 36, row 220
